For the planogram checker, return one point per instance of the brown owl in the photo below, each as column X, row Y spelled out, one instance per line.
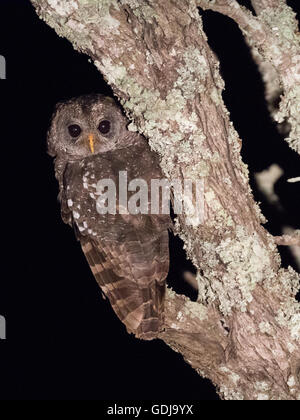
column 128, row 253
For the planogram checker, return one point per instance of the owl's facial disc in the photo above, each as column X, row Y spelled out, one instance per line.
column 87, row 126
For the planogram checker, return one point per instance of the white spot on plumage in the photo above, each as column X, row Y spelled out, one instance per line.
column 70, row 203
column 76, row 215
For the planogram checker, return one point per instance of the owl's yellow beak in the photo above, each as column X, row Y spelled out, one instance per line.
column 91, row 143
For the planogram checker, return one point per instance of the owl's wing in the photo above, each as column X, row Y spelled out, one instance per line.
column 128, row 254
column 132, row 275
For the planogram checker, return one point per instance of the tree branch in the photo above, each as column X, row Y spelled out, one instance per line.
column 249, row 24
column 294, row 180
column 289, row 240
column 274, row 39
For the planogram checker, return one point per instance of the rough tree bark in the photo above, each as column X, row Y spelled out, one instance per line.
column 244, row 331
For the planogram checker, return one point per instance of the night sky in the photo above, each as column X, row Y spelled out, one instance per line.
column 63, row 339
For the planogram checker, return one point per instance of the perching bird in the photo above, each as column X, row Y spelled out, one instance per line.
column 128, row 254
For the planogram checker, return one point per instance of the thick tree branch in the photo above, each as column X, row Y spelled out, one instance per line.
column 274, row 39
column 244, row 332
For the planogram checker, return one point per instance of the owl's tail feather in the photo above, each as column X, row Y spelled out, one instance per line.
column 153, row 313
column 135, row 290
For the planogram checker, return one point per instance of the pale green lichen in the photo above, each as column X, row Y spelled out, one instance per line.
column 63, row 8
column 189, row 309
column 291, row 347
column 143, row 11
column 220, row 218
column 263, row 397
column 247, row 263
column 250, row 329
column 195, row 310
column 216, row 96
column 282, row 21
column 263, row 391
column 230, row 394
column 72, row 19
column 115, row 73
column 290, row 111
column 200, row 169
column 291, row 382
column 289, row 316
column 266, row 328
column 293, row 385
column 262, row 386
column 149, row 58
column 99, row 12
column 195, row 67
column 234, row 377
column 286, row 285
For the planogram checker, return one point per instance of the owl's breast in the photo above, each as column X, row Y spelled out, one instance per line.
column 83, row 188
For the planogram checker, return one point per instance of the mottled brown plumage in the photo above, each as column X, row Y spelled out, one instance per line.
column 128, row 254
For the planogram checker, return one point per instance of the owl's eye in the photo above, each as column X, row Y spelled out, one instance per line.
column 104, row 127
column 74, row 130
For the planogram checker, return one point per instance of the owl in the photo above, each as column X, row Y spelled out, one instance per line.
column 127, row 253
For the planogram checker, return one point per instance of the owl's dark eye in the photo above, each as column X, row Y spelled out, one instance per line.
column 104, row 127
column 74, row 130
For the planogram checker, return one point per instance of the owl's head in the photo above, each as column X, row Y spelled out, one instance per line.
column 87, row 125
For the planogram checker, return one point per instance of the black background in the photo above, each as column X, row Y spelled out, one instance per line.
column 63, row 340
